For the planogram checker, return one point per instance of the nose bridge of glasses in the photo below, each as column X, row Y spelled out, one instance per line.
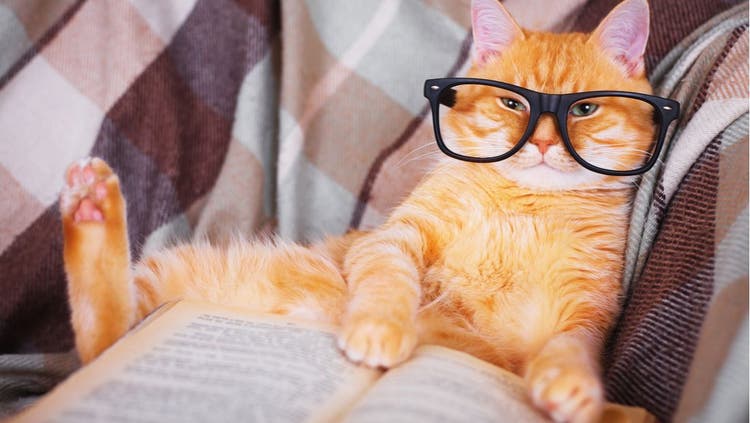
column 546, row 131
column 549, row 103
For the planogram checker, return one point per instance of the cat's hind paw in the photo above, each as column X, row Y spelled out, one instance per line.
column 377, row 342
column 90, row 189
column 567, row 392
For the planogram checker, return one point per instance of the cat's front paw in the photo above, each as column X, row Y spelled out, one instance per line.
column 567, row 392
column 377, row 341
column 89, row 187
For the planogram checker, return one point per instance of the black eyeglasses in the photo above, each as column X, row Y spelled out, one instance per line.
column 611, row 132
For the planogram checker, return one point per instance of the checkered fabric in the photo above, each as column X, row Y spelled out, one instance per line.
column 306, row 117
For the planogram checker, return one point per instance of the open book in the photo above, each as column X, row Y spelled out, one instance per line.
column 195, row 362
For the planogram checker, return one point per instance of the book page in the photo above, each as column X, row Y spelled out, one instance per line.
column 198, row 363
column 444, row 385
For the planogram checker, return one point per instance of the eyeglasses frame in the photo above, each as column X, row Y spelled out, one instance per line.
column 557, row 105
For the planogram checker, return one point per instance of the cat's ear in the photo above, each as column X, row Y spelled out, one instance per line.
column 493, row 29
column 623, row 35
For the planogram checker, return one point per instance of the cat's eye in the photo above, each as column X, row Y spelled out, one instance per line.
column 583, row 109
column 512, row 104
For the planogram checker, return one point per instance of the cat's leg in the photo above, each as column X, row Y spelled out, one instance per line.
column 97, row 256
column 382, row 270
column 564, row 378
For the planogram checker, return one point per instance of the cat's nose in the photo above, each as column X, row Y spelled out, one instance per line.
column 545, row 134
column 542, row 144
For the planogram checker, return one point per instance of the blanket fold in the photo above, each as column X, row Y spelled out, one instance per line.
column 688, row 211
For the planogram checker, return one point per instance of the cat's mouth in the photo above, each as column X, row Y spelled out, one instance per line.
column 551, row 161
column 545, row 164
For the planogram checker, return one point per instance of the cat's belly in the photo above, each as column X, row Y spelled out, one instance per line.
column 511, row 250
column 512, row 278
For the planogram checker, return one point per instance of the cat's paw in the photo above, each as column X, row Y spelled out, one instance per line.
column 567, row 392
column 377, row 341
column 90, row 186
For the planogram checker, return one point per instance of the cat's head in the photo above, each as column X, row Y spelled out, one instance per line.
column 609, row 58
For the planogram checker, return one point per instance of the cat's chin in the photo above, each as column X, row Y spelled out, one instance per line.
column 543, row 177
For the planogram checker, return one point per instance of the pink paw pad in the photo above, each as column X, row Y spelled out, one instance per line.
column 87, row 211
column 78, row 175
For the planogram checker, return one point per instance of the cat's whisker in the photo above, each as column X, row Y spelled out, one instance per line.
column 419, row 158
column 421, row 147
column 617, row 143
column 618, row 148
column 408, row 156
column 615, row 147
column 618, row 152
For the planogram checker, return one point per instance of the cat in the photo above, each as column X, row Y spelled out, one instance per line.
column 517, row 262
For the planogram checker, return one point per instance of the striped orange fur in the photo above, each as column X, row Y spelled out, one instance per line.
column 516, row 263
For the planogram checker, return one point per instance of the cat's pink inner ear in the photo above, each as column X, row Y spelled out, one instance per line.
column 623, row 35
column 493, row 29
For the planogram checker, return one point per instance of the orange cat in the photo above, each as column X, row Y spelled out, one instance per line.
column 517, row 261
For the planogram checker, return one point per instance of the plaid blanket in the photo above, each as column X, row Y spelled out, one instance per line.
column 687, row 261
column 306, row 118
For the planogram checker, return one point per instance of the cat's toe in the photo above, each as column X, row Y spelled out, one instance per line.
column 88, row 183
column 567, row 393
column 377, row 342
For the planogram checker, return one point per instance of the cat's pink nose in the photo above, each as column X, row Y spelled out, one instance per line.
column 542, row 144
